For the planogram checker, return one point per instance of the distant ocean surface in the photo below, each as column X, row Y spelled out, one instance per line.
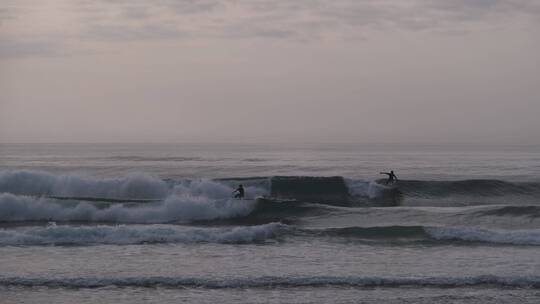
column 156, row 223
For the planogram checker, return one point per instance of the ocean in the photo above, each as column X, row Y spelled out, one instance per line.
column 157, row 223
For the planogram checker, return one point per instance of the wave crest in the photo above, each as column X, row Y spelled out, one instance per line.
column 137, row 186
column 174, row 208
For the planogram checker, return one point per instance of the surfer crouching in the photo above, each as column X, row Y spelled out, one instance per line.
column 392, row 178
column 239, row 192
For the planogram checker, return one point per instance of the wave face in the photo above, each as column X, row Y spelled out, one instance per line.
column 274, row 282
column 312, row 189
column 516, row 237
column 126, row 235
column 439, row 234
column 479, row 187
column 526, row 211
column 340, row 191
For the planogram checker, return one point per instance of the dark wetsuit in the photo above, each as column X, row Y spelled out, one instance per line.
column 239, row 192
column 392, row 178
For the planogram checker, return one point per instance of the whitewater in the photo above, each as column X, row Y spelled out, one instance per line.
column 139, row 223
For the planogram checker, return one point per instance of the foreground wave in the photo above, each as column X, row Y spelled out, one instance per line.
column 174, row 234
column 442, row 234
column 126, row 235
column 274, row 282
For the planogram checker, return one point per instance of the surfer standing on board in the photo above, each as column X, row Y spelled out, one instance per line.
column 239, row 192
column 392, row 178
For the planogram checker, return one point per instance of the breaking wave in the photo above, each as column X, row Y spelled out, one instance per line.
column 134, row 186
column 40, row 196
column 137, row 186
column 174, row 208
column 274, row 282
column 334, row 190
column 341, row 191
column 126, row 235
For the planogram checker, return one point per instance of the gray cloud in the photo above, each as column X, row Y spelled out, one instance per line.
column 20, row 48
column 142, row 32
column 306, row 19
column 241, row 73
column 6, row 14
column 192, row 6
column 136, row 12
column 301, row 20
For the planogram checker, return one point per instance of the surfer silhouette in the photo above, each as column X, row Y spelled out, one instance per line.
column 392, row 178
column 239, row 192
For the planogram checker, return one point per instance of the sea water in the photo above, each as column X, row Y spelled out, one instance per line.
column 156, row 223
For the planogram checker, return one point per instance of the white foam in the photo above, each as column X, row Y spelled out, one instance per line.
column 177, row 208
column 185, row 200
column 123, row 235
column 515, row 237
column 376, row 190
column 362, row 188
column 357, row 187
column 41, row 183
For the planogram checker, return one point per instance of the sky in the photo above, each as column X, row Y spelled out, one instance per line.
column 366, row 71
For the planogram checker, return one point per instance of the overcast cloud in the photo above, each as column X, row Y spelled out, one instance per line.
column 262, row 70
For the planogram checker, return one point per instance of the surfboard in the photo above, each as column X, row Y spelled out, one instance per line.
column 383, row 182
